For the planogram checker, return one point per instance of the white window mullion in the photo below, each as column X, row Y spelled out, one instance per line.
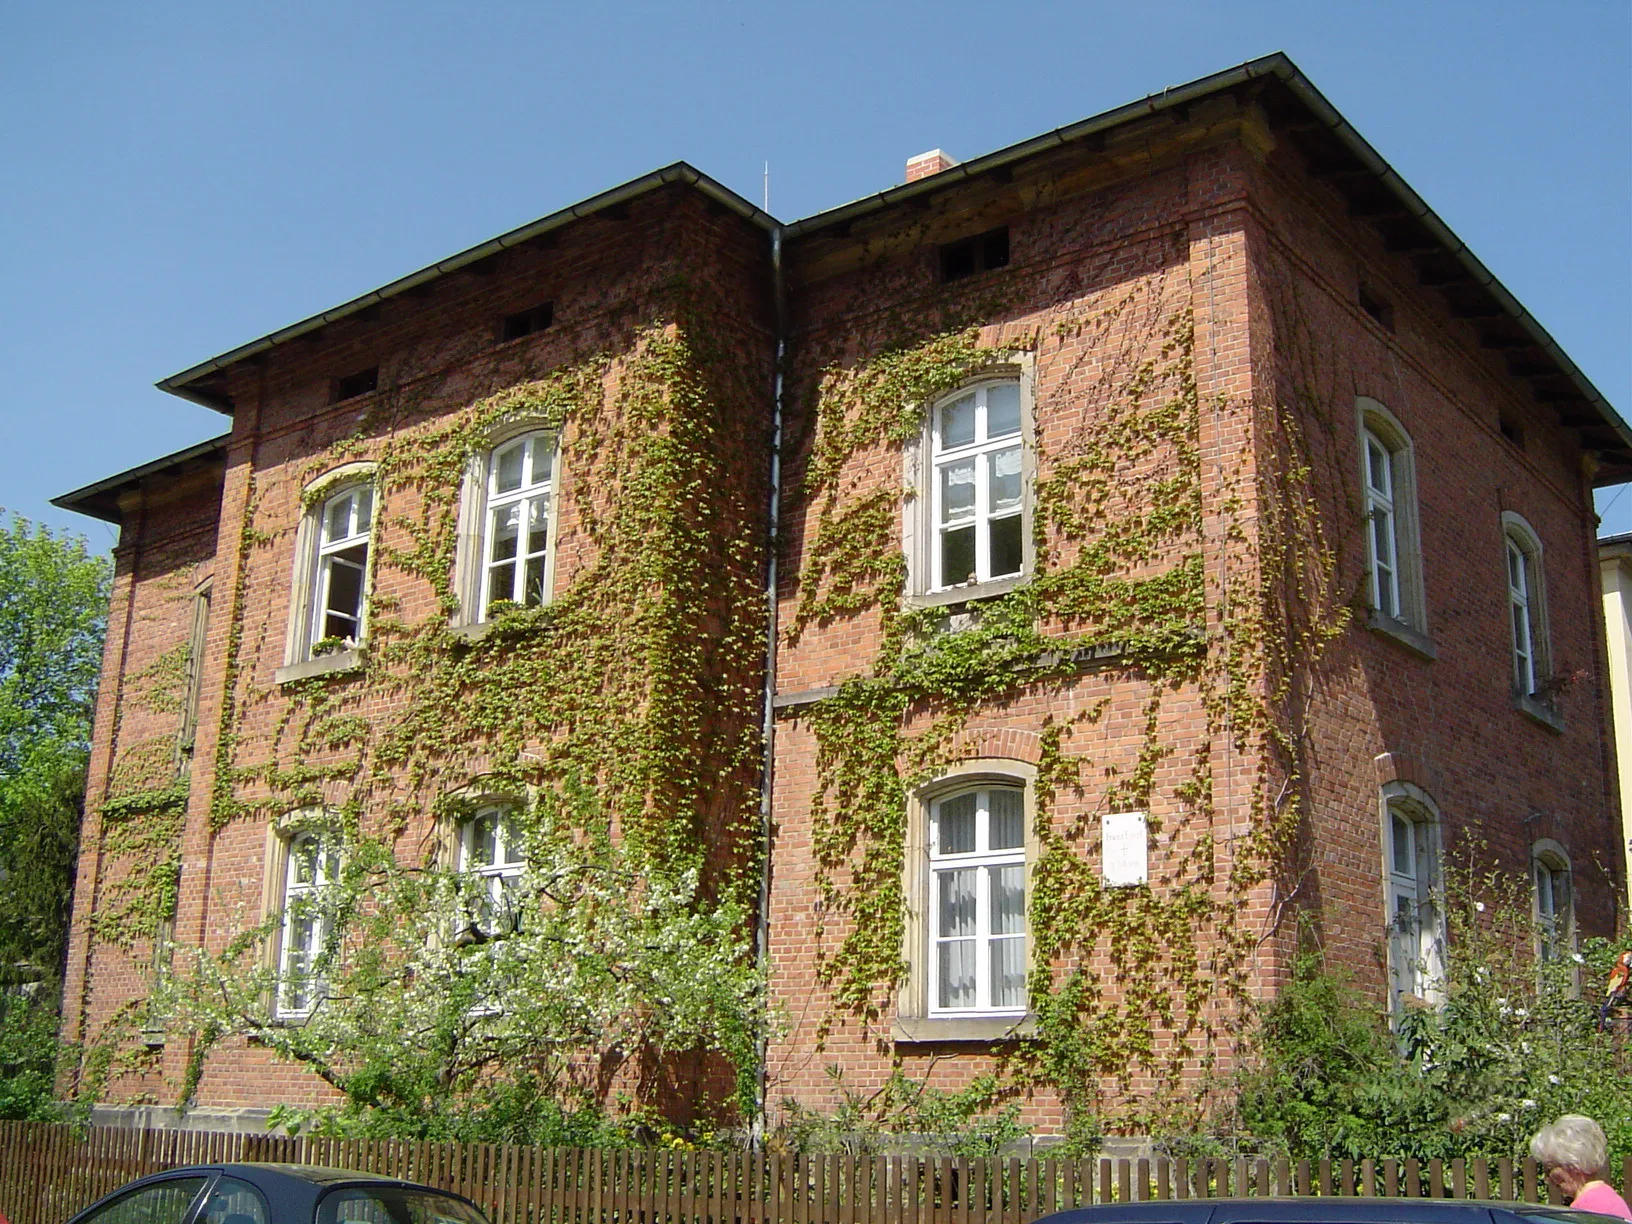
column 936, row 547
column 983, row 910
column 490, row 518
column 320, row 606
column 983, row 530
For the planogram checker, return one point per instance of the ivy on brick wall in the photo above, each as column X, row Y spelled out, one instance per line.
column 600, row 696
column 620, row 721
column 145, row 804
column 1128, row 984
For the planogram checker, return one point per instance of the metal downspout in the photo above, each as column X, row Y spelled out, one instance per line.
column 762, row 941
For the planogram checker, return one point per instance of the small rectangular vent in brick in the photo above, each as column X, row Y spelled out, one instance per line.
column 981, row 253
column 526, row 322
column 353, row 385
column 1377, row 308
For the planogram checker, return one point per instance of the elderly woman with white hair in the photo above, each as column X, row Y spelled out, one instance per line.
column 1573, row 1151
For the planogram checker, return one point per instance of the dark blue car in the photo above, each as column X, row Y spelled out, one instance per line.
column 277, row 1194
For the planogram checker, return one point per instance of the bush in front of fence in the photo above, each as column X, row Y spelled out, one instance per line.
column 1513, row 1043
column 29, row 1049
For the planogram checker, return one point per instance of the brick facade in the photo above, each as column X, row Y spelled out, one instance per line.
column 1214, row 211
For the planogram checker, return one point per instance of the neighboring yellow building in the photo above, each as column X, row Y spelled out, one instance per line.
column 1615, row 566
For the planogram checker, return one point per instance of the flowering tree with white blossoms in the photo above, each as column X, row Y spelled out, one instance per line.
column 437, row 1014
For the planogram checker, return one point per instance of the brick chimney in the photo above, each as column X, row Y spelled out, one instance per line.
column 926, row 164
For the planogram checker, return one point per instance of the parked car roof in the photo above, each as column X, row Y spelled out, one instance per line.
column 291, row 1192
column 318, row 1175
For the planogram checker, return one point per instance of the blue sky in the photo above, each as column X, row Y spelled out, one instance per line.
column 179, row 178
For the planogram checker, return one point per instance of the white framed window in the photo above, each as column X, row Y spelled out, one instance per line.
column 1394, row 586
column 977, row 486
column 311, row 864
column 492, row 850
column 1518, row 600
column 1416, row 928
column 345, row 523
column 328, row 590
column 1526, row 605
column 508, row 516
column 977, row 902
column 1555, row 914
column 1382, row 541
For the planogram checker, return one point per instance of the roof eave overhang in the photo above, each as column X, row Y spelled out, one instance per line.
column 1615, row 547
column 679, row 172
column 1481, row 276
column 101, row 499
column 1277, row 66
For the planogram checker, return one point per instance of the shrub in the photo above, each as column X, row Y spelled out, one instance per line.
column 1514, row 1045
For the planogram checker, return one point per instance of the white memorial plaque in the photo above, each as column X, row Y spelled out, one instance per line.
column 1125, row 849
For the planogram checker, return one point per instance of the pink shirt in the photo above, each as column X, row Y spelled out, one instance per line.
column 1597, row 1196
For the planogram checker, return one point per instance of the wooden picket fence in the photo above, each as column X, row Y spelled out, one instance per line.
column 47, row 1172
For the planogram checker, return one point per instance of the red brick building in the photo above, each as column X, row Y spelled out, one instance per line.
column 1176, row 534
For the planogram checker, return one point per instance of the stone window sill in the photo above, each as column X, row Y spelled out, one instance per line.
column 1539, row 712
column 804, row 697
column 968, row 593
column 1403, row 635
column 476, row 631
column 924, row 1030
column 324, row 665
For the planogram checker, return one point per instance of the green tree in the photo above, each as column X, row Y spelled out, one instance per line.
column 53, row 607
column 53, row 600
column 40, row 808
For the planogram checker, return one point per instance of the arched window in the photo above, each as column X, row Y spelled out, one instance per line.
column 977, row 901
column 1526, row 606
column 968, row 529
column 1383, row 543
column 1555, row 917
column 969, row 851
column 345, row 524
column 1389, row 504
column 1416, row 928
column 311, row 864
column 329, row 593
column 507, row 546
